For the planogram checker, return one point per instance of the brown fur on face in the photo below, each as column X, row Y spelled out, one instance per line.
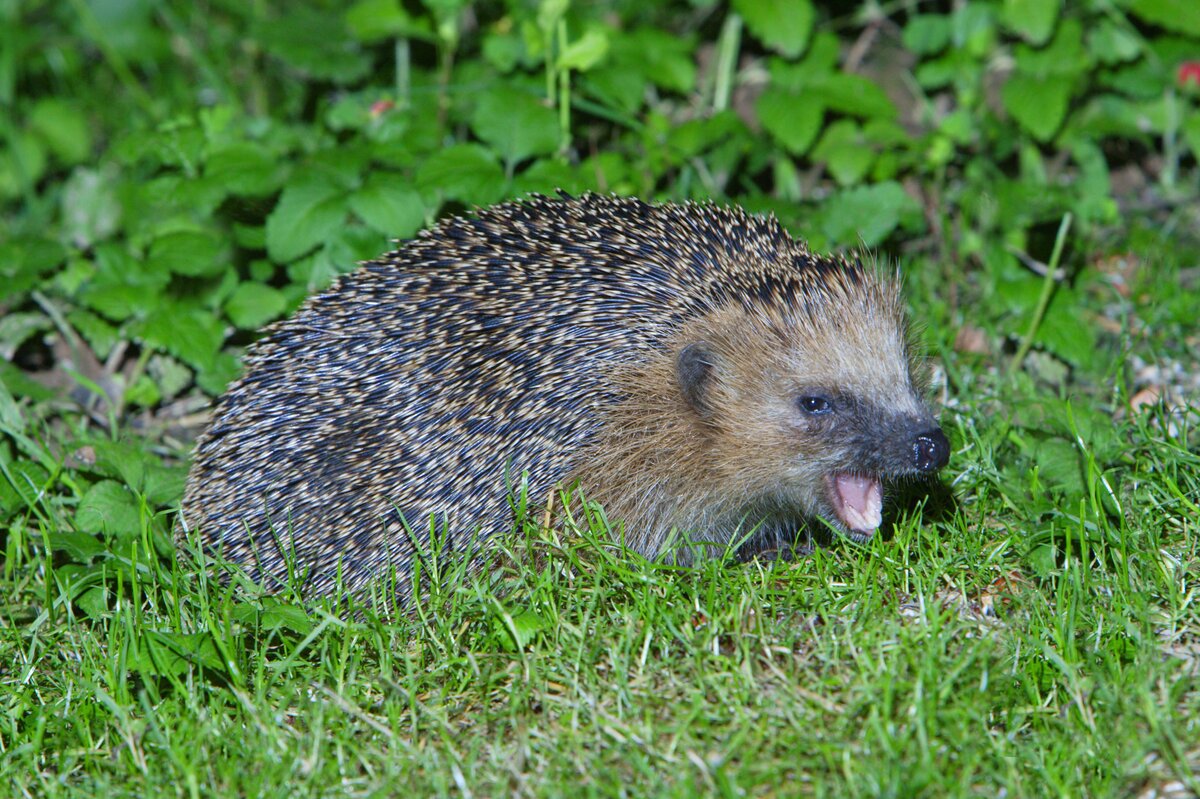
column 723, row 448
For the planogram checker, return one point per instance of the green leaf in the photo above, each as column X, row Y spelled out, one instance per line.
column 926, row 34
column 782, row 25
column 795, row 123
column 1112, row 44
column 63, row 128
column 1180, row 16
column 586, row 51
column 244, row 168
column 845, row 152
column 308, row 212
column 852, row 94
column 108, row 507
column 164, row 484
column 274, row 614
column 215, row 378
column 16, row 382
column 90, row 209
column 22, row 163
column 170, row 653
column 17, row 328
column 193, row 337
column 1060, row 465
column 1191, row 133
column 1033, row 20
column 868, row 214
column 252, row 305
column 387, row 204
column 21, row 482
column 80, row 547
column 664, row 59
column 375, row 20
column 23, row 261
column 516, row 124
column 1075, row 344
column 1038, row 104
column 99, row 334
column 465, row 172
column 315, row 42
column 186, row 252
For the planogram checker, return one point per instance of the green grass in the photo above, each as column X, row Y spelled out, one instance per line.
column 173, row 177
column 952, row 657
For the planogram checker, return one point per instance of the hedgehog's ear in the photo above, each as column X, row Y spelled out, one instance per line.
column 694, row 368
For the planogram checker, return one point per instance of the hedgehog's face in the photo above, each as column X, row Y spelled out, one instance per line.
column 813, row 421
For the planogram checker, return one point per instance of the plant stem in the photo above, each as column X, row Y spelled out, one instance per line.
column 1044, row 299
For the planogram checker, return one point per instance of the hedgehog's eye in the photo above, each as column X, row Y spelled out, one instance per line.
column 815, row 406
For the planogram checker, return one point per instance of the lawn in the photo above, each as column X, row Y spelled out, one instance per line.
column 175, row 176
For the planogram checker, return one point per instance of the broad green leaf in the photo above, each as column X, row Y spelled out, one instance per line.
column 63, row 128
column 465, row 172
column 90, row 209
column 666, row 61
column 1059, row 464
column 244, row 168
column 308, row 212
column 852, row 94
column 1074, row 343
column 547, row 176
column 252, row 305
column 926, row 34
column 1180, row 16
column 845, row 152
column 1111, row 43
column 108, row 507
column 867, row 214
column 143, row 393
column 18, row 327
column 374, row 20
column 1191, row 133
column 216, row 377
column 186, row 252
column 79, row 546
column 164, row 484
column 1065, row 56
column 516, row 124
column 389, row 205
column 193, row 337
column 585, row 52
column 782, row 25
column 1038, row 104
column 315, row 42
column 124, row 460
column 274, row 615
column 22, row 163
column 173, row 653
column 973, row 29
column 21, row 482
column 171, row 376
column 11, row 416
column 793, row 121
column 1032, row 19
column 98, row 333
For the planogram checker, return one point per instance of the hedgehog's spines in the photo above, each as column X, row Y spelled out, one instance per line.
column 547, row 334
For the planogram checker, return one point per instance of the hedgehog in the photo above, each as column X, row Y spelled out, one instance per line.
column 691, row 368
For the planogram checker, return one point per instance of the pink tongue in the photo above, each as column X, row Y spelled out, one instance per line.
column 859, row 501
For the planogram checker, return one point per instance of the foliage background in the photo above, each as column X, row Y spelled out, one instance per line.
column 174, row 176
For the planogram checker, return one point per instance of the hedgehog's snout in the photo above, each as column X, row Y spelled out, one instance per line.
column 931, row 450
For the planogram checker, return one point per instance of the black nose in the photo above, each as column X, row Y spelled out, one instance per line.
column 931, row 450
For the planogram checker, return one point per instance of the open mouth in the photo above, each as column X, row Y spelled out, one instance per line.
column 857, row 500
